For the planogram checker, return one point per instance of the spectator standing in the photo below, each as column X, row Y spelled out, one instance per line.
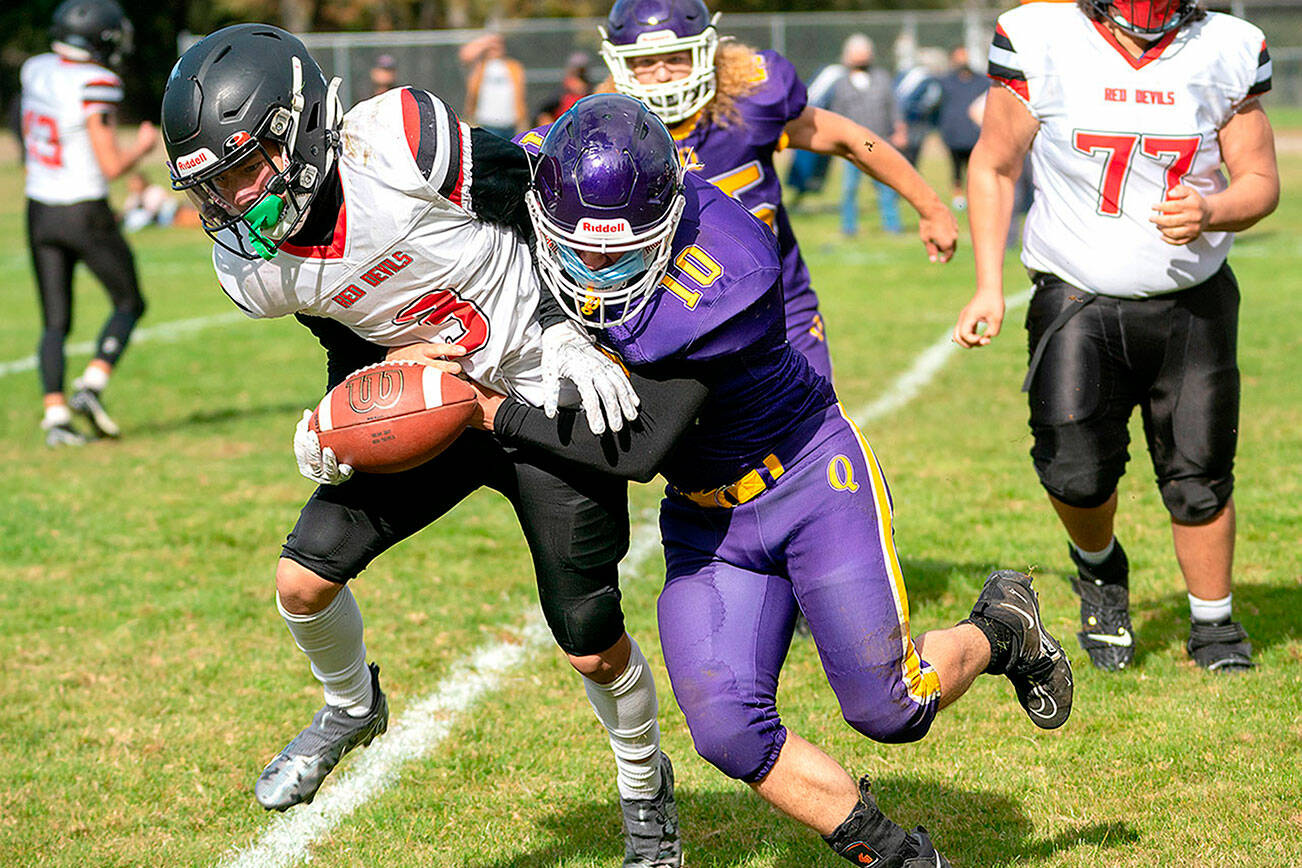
column 575, row 85
column 959, row 89
column 495, row 90
column 69, row 106
column 917, row 96
column 809, row 168
column 865, row 95
column 384, row 74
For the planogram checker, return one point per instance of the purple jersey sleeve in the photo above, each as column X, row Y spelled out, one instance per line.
column 532, row 140
column 724, row 261
column 777, row 99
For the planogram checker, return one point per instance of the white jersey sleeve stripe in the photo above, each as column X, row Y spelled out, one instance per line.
column 1264, row 69
column 1004, row 66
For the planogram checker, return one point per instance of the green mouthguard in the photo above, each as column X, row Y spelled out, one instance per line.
column 262, row 216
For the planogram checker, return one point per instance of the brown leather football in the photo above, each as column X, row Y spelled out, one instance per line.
column 393, row 416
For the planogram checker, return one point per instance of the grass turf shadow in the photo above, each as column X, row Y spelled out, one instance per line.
column 724, row 829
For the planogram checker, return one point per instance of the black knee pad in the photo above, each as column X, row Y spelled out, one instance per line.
column 1074, row 476
column 1196, row 500
column 586, row 625
column 333, row 541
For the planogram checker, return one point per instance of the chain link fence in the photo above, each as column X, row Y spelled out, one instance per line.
column 428, row 59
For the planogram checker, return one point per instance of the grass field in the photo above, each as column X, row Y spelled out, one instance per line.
column 145, row 677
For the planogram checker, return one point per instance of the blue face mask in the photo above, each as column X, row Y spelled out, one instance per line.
column 624, row 269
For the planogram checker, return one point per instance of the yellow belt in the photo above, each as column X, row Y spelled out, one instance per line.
column 747, row 488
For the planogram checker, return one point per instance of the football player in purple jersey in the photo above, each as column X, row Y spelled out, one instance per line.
column 775, row 502
column 730, row 108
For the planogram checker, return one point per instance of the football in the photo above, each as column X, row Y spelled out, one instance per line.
column 393, row 416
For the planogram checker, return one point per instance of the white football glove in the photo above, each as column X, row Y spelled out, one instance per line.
column 604, row 390
column 317, row 464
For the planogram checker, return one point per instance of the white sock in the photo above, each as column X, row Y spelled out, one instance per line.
column 1211, row 611
column 627, row 708
column 95, row 378
column 332, row 641
column 1097, row 557
column 56, row 414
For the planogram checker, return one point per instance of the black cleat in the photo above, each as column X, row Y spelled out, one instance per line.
column 925, row 856
column 86, row 402
column 1106, row 633
column 651, row 826
column 1220, row 647
column 297, row 772
column 1038, row 668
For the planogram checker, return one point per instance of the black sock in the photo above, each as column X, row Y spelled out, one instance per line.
column 1002, row 639
column 867, row 836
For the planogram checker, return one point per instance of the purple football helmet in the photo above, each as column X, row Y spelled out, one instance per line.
column 641, row 28
column 605, row 201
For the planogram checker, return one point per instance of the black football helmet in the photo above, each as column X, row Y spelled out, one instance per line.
column 251, row 129
column 95, row 30
column 1147, row 19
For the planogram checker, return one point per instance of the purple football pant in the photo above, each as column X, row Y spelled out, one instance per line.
column 820, row 537
column 805, row 334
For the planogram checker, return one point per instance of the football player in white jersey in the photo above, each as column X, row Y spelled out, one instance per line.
column 393, row 226
column 1128, row 110
column 69, row 104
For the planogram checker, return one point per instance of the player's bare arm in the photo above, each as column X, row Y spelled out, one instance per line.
column 827, row 132
column 113, row 161
column 996, row 164
column 1248, row 150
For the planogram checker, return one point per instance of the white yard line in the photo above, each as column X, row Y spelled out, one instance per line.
column 289, row 837
column 168, row 331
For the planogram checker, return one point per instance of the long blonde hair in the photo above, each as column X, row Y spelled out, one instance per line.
column 736, row 70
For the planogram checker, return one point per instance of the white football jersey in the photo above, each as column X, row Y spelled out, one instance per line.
column 409, row 261
column 58, row 95
column 1117, row 133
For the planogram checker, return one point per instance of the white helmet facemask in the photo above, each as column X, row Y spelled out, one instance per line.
column 673, row 101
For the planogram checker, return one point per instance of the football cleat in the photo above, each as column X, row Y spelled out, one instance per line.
column 62, row 435
column 651, row 826
column 1038, row 668
column 1106, row 633
column 86, row 402
column 926, row 854
column 297, row 772
column 1217, row 647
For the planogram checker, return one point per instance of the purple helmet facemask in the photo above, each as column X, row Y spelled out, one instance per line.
column 642, row 28
column 607, row 181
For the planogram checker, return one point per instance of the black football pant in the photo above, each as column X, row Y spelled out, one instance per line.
column 59, row 236
column 575, row 522
column 1174, row 356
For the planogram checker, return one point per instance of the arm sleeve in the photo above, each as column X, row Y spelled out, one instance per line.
column 497, row 184
column 346, row 351
column 550, row 311
column 669, row 404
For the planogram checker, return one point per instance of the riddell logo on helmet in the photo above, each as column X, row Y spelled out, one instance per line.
column 192, row 162
column 605, row 227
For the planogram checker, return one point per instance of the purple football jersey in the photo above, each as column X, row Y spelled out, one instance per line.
column 720, row 305
column 738, row 159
